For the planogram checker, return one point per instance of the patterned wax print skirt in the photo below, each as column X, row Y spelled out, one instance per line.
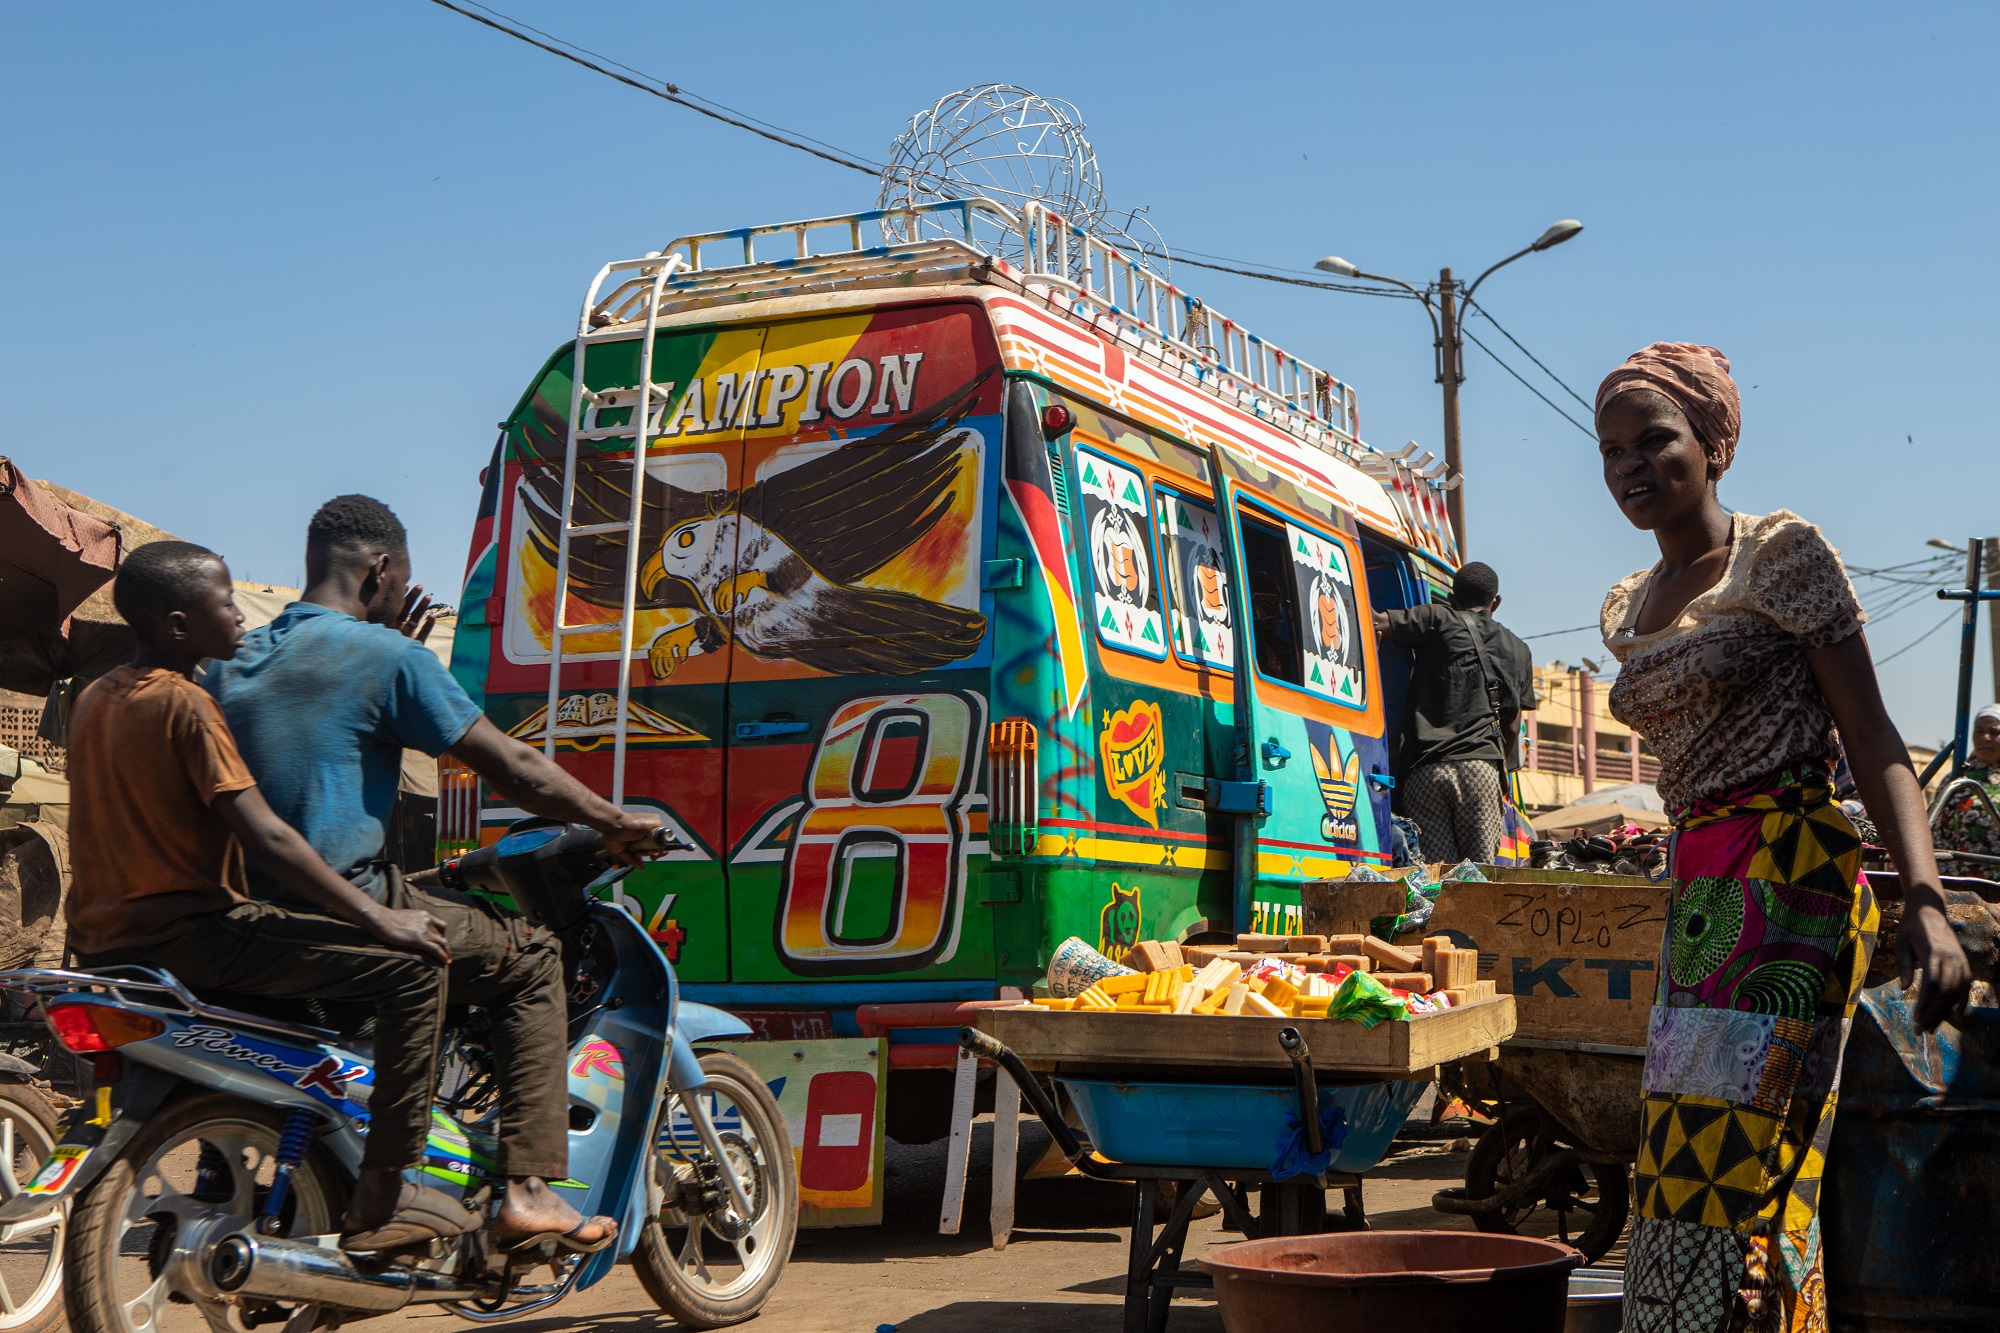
column 1766, row 947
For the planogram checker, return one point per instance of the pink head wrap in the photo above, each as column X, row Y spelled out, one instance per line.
column 1693, row 378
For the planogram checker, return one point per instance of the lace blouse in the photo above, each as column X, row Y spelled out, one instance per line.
column 1724, row 695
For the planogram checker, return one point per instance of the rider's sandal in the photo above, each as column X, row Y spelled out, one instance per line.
column 422, row 1215
column 565, row 1240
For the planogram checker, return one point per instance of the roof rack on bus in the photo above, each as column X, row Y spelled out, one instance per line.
column 977, row 240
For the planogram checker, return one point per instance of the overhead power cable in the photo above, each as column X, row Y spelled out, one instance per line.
column 1553, row 405
column 1552, row 633
column 1949, row 616
column 672, row 92
column 659, row 88
column 1484, row 313
column 1181, row 257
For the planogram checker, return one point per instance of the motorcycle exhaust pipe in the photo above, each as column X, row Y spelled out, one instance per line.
column 265, row 1268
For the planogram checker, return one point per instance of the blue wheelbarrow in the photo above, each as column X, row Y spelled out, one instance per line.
column 1292, row 1142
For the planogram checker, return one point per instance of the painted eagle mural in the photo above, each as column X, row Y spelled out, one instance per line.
column 775, row 567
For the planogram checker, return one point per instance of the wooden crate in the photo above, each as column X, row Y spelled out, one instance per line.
column 1063, row 1039
column 1580, row 954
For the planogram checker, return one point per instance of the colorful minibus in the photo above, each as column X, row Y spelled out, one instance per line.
column 974, row 587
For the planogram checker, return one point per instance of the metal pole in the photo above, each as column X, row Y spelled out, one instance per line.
column 1974, row 549
column 1993, row 622
column 1451, row 374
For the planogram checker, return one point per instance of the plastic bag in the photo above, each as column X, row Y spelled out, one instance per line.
column 1292, row 1158
column 1364, row 1000
column 1467, row 872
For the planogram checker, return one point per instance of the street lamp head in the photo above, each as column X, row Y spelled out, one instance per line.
column 1336, row 265
column 1557, row 234
column 1944, row 545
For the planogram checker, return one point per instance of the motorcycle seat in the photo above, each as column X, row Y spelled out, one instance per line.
column 307, row 1019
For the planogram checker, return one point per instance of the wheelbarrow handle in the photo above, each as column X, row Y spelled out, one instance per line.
column 991, row 1048
column 1294, row 1046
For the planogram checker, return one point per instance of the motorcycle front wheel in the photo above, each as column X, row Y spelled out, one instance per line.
column 31, row 1259
column 709, row 1267
column 198, row 1160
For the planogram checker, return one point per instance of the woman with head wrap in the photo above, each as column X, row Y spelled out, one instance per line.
column 1968, row 824
column 1739, row 653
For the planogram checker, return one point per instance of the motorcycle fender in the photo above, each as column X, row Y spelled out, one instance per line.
column 693, row 1023
column 703, row 1022
column 87, row 1148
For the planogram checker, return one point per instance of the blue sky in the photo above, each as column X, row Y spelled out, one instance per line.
column 260, row 254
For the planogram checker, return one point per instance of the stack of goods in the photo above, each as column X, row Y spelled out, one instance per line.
column 1625, row 850
column 1357, row 977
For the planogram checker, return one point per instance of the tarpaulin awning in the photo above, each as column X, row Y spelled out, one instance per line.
column 1593, row 816
column 52, row 556
column 89, row 637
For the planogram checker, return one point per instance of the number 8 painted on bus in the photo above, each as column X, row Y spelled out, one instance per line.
column 892, row 774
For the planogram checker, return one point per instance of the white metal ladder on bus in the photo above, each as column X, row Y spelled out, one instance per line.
column 647, row 401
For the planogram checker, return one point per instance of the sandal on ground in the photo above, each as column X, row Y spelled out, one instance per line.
column 422, row 1214
column 565, row 1240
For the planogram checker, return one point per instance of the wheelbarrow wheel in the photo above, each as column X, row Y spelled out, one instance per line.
column 1584, row 1206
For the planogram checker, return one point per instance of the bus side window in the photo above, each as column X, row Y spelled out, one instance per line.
column 1274, row 613
column 1118, row 527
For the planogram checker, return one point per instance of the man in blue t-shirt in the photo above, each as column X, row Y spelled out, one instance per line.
column 323, row 701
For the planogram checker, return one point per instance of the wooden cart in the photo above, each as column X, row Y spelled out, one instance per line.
column 1579, row 954
column 1041, row 1048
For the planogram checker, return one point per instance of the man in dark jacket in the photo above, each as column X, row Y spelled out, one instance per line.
column 1468, row 686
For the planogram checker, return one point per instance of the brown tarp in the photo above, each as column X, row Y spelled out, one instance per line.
column 57, row 553
column 52, row 556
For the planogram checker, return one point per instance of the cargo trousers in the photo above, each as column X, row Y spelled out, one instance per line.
column 499, row 963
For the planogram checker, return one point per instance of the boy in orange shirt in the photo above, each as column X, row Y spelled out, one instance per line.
column 163, row 812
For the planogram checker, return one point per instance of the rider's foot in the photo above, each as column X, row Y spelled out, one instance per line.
column 415, row 1214
column 531, row 1209
column 376, row 1193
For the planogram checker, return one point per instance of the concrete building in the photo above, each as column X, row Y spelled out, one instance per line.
column 1573, row 745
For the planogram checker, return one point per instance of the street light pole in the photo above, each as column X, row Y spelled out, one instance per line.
column 1451, row 374
column 1445, row 320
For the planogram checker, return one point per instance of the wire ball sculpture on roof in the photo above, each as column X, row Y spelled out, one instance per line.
column 1004, row 143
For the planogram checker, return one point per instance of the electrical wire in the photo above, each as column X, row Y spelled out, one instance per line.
column 1181, row 257
column 1552, row 633
column 1553, row 405
column 670, row 86
column 665, row 91
column 1948, row 618
column 672, row 92
column 1587, row 406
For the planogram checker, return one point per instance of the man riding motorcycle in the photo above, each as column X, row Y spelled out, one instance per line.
column 322, row 702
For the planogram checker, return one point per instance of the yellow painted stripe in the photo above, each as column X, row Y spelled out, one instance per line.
column 1119, row 851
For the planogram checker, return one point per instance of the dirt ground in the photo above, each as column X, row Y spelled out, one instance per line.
column 1062, row 1271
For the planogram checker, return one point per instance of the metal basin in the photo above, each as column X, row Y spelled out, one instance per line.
column 1395, row 1278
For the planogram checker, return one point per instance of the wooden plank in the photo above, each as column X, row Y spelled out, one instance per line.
column 1388, row 1049
column 964, row 1083
column 1006, row 1152
column 1344, row 907
column 1580, row 959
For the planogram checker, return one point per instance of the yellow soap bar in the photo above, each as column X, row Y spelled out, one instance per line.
column 1121, row 984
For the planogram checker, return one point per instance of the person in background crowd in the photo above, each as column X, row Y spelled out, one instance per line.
column 324, row 700
column 1471, row 680
column 1740, row 651
column 1967, row 824
column 164, row 810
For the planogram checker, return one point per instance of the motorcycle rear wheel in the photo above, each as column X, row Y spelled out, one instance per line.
column 688, row 1263
column 202, row 1155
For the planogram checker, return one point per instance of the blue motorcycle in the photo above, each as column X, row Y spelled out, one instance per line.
column 214, row 1160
